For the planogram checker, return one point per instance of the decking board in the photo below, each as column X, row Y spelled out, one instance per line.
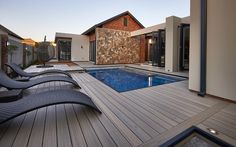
column 143, row 117
column 36, row 137
column 133, row 113
column 77, row 136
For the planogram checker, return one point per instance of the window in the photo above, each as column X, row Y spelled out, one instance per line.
column 125, row 21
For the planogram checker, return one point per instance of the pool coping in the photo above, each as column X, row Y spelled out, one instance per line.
column 180, row 137
column 179, row 78
column 171, row 74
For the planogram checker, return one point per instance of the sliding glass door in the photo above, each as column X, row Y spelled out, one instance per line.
column 184, row 46
column 92, row 51
column 158, row 48
column 64, row 50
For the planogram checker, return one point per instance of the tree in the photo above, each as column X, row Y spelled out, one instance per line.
column 43, row 53
column 11, row 50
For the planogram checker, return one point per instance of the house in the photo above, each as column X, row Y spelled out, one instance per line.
column 167, row 44
column 123, row 39
column 7, row 37
column 108, row 42
column 202, row 44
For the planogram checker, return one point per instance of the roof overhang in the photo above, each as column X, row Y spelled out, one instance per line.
column 109, row 20
column 10, row 33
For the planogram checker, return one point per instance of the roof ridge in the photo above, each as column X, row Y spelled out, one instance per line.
column 110, row 19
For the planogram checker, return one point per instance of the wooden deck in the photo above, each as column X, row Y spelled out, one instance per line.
column 145, row 117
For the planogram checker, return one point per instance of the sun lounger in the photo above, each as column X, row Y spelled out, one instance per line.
column 22, row 73
column 9, row 96
column 35, row 101
column 9, row 83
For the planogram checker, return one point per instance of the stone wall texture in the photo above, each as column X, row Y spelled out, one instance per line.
column 116, row 47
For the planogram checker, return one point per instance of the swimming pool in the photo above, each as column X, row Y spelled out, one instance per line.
column 122, row 79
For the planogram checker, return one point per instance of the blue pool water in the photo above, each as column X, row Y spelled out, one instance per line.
column 123, row 80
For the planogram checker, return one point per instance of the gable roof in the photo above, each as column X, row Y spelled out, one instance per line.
column 111, row 19
column 10, row 33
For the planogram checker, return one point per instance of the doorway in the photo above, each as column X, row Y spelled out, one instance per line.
column 64, row 49
column 92, row 51
column 158, row 48
column 148, row 48
column 184, row 46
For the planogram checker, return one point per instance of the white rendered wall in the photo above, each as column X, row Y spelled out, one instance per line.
column 17, row 56
column 194, row 62
column 172, row 44
column 80, row 48
column 148, row 30
column 221, row 48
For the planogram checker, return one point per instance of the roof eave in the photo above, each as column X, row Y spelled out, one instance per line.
column 108, row 20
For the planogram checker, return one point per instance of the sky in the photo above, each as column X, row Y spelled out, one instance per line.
column 37, row 18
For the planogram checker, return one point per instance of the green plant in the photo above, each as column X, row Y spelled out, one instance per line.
column 11, row 50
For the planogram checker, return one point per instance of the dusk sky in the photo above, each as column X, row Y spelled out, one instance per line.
column 36, row 18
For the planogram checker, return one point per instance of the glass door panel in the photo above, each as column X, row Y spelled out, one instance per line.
column 184, row 46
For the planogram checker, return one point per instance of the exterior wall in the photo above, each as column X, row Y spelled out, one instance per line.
column 115, row 47
column 28, row 58
column 4, row 54
column 117, row 24
column 157, row 27
column 194, row 54
column 172, row 44
column 17, row 56
column 221, row 52
column 80, row 48
column 148, row 29
column 142, row 48
column 92, row 37
column 186, row 20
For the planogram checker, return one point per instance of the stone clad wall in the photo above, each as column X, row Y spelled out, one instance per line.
column 114, row 47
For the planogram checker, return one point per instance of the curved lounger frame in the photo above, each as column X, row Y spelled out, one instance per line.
column 35, row 101
column 8, row 83
column 22, row 73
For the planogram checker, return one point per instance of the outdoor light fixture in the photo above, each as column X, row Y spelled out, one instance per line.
column 212, row 131
column 150, row 41
column 8, row 43
column 149, row 81
column 54, row 44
